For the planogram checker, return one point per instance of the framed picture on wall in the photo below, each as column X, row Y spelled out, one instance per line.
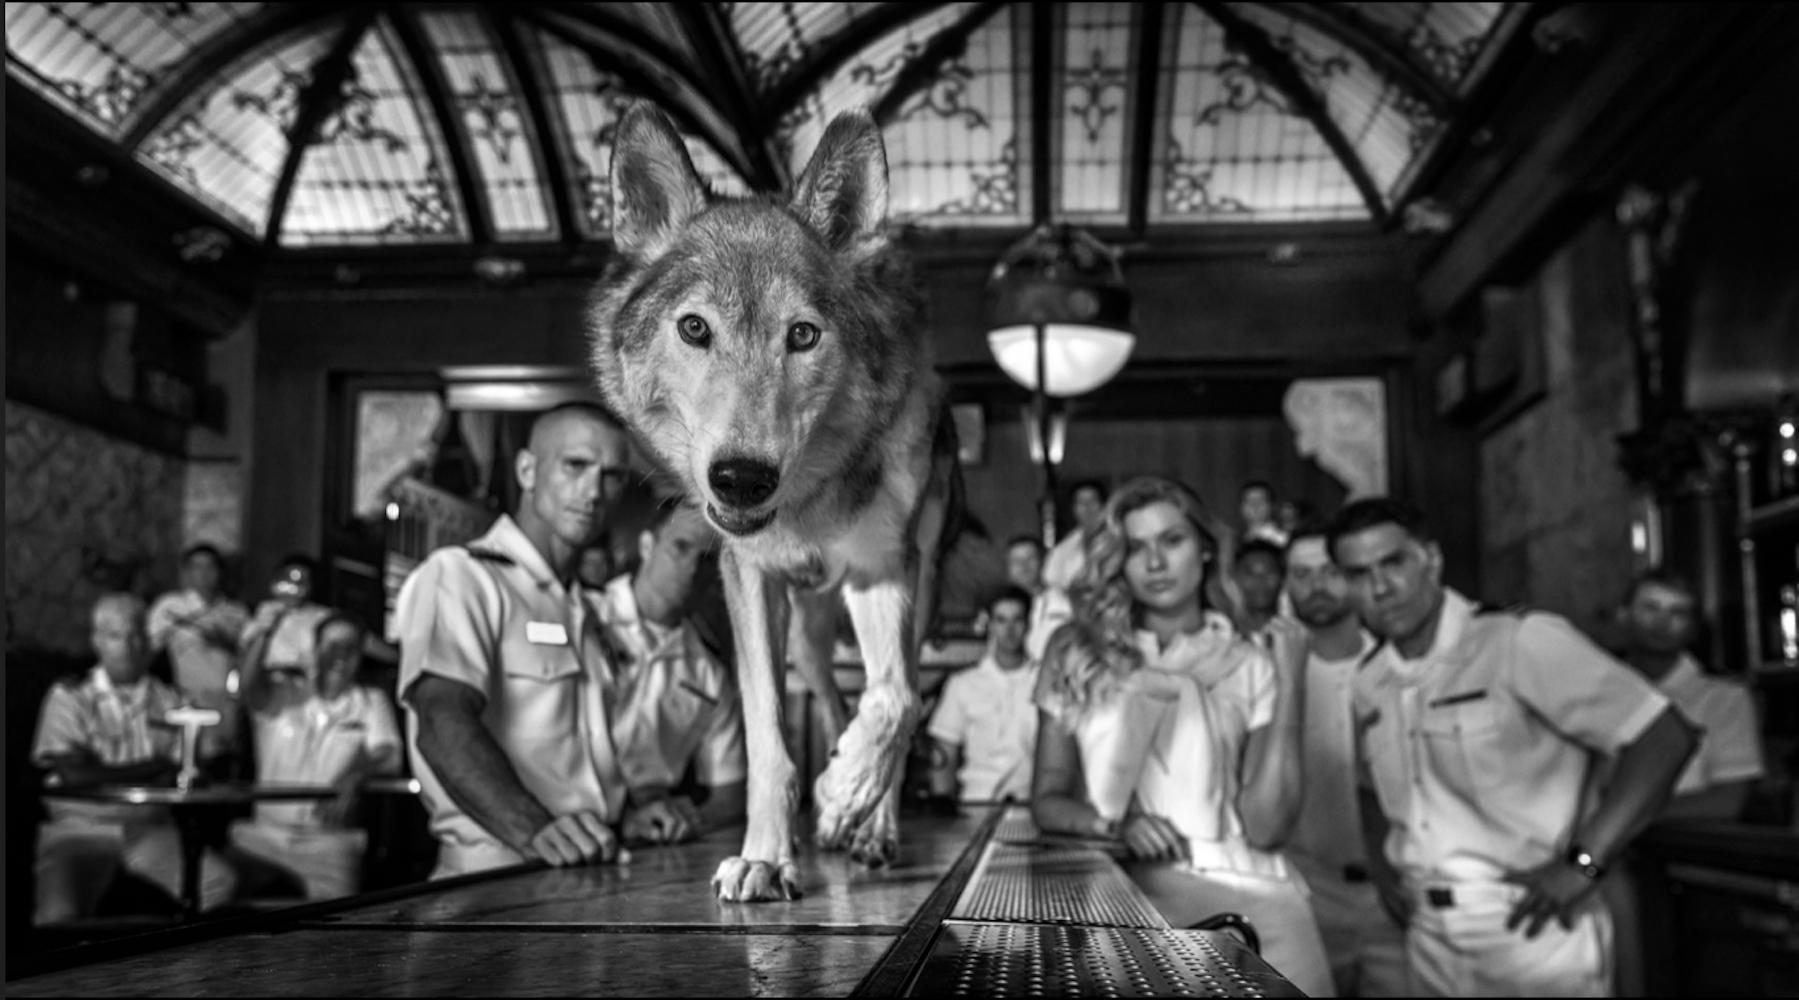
column 971, row 433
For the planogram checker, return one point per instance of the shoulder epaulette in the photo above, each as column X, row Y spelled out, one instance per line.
column 489, row 555
column 1516, row 610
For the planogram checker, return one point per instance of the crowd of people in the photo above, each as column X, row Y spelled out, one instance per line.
column 1403, row 790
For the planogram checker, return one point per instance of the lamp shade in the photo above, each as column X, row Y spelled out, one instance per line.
column 1069, row 284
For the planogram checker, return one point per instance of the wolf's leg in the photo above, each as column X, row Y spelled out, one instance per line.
column 765, row 869
column 873, row 748
column 813, row 641
column 876, row 841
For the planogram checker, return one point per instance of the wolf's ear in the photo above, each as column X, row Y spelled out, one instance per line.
column 654, row 186
column 842, row 194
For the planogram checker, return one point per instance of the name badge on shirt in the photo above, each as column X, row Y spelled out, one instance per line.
column 546, row 633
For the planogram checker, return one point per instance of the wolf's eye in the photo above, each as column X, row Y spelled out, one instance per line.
column 802, row 336
column 694, row 330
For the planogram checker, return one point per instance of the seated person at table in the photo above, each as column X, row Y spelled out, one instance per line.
column 107, row 728
column 315, row 726
column 984, row 729
column 198, row 627
column 1165, row 729
column 288, row 616
column 673, row 705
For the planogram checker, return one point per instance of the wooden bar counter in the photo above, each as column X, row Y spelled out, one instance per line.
column 652, row 927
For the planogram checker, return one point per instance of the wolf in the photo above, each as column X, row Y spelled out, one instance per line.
column 774, row 359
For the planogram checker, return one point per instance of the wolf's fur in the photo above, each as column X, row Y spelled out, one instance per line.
column 849, row 433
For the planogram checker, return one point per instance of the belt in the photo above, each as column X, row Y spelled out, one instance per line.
column 1355, row 873
column 1439, row 897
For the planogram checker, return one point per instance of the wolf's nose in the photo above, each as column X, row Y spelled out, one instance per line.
column 743, row 482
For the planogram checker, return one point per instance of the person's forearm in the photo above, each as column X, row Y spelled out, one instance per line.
column 1721, row 802
column 1640, row 785
column 1055, row 812
column 946, row 760
column 94, row 773
column 1274, row 783
column 477, row 776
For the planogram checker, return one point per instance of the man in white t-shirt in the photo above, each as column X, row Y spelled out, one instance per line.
column 1659, row 621
column 672, row 705
column 984, row 728
column 1365, row 945
column 315, row 726
column 1087, row 501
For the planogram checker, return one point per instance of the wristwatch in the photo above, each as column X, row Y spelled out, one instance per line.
column 1584, row 860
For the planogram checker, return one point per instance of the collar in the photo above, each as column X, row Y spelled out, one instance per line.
column 1452, row 621
column 988, row 662
column 508, row 538
column 1686, row 676
column 130, row 694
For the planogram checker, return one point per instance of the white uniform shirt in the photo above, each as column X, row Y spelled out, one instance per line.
column 494, row 616
column 1329, row 829
column 313, row 742
column 1222, row 688
column 118, row 725
column 1480, row 750
column 1730, row 747
column 1050, row 610
column 671, row 702
column 182, row 622
column 987, row 711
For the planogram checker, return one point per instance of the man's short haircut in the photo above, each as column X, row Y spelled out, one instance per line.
column 1026, row 539
column 1661, row 576
column 1311, row 527
column 1098, row 486
column 581, row 406
column 1370, row 512
column 1261, row 546
column 337, row 616
column 202, row 549
column 1256, row 484
column 1011, row 592
column 119, row 602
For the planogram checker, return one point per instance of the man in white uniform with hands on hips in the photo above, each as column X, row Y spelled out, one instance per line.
column 503, row 667
column 1478, row 735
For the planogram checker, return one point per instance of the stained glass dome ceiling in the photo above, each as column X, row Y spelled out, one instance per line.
column 491, row 123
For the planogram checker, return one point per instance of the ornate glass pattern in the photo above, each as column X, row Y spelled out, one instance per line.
column 1446, row 38
column 1095, row 95
column 98, row 61
column 1229, row 147
column 225, row 145
column 494, row 121
column 776, row 37
column 586, row 103
column 1382, row 122
column 376, row 170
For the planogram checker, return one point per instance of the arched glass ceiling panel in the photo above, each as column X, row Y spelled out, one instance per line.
column 586, row 103
column 1230, row 148
column 1383, row 123
column 1095, row 94
column 98, row 60
column 952, row 146
column 377, row 170
column 493, row 119
column 1446, row 38
column 226, row 144
column 776, row 37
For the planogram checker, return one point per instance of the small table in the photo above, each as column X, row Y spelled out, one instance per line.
column 188, row 807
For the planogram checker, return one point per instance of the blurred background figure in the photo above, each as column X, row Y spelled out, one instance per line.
column 984, row 729
column 1256, row 505
column 197, row 626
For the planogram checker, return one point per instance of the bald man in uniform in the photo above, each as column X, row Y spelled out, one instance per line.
column 504, row 673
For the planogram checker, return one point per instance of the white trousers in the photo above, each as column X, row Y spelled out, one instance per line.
column 78, row 858
column 1464, row 949
column 1366, row 947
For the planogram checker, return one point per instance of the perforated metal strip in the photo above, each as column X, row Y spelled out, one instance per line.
column 1054, row 885
column 1039, row 960
column 1017, row 827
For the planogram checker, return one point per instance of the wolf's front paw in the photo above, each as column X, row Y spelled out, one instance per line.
column 740, row 880
column 876, row 843
column 847, row 796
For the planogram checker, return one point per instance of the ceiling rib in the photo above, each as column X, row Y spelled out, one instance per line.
column 821, row 62
column 1151, row 18
column 549, row 140
column 1043, row 110
column 734, row 96
column 322, row 95
column 214, row 56
column 1255, row 43
column 1354, row 31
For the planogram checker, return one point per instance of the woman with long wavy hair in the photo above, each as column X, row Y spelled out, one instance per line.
column 1163, row 728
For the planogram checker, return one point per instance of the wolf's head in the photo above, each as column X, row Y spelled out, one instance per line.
column 760, row 349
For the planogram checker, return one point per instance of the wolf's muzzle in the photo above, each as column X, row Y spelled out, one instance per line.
column 743, row 482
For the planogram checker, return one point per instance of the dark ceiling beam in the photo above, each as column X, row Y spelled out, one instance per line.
column 323, row 95
column 619, row 56
column 819, row 63
column 731, row 92
column 1261, row 50
column 1043, row 105
column 443, row 106
column 1389, row 56
column 199, row 67
column 549, row 138
column 1148, row 55
column 949, row 44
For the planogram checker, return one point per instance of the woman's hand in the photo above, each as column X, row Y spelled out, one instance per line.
column 1288, row 643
